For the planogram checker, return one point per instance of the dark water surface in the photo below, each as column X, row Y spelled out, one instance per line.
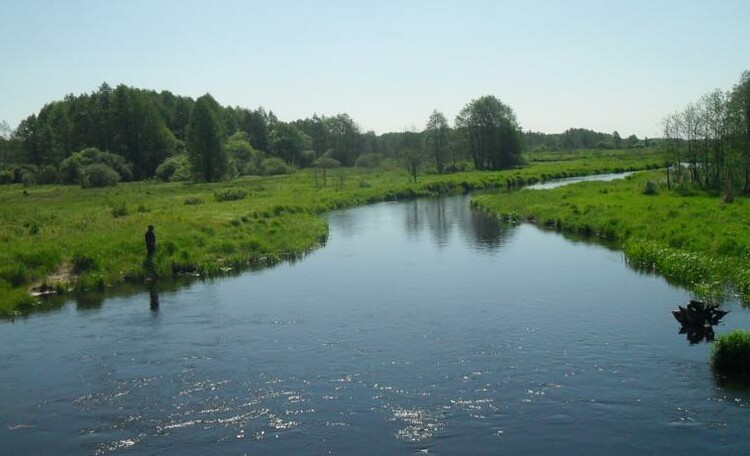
column 422, row 327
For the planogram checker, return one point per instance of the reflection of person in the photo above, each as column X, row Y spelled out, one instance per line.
column 150, row 240
column 154, row 296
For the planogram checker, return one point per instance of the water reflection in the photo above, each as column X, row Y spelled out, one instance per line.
column 440, row 217
column 153, row 292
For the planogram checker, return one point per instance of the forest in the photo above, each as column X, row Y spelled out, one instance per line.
column 128, row 134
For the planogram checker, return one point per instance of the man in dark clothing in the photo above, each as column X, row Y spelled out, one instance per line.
column 150, row 241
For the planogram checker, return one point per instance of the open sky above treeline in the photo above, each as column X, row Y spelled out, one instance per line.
column 612, row 65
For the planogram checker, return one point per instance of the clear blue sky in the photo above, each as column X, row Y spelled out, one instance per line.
column 604, row 65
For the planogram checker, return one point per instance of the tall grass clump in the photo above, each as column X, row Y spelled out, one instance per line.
column 731, row 352
column 230, row 194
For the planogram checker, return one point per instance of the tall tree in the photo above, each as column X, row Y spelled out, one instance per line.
column 287, row 142
column 5, row 132
column 436, row 133
column 207, row 157
column 492, row 132
column 412, row 153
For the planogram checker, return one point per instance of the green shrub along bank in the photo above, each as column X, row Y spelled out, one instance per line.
column 731, row 352
column 689, row 236
column 67, row 237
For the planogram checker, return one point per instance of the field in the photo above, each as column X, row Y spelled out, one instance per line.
column 690, row 236
column 64, row 238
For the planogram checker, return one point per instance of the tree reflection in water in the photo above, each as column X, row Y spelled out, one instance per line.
column 441, row 216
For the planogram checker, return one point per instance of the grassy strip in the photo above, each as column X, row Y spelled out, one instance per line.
column 71, row 238
column 731, row 352
column 690, row 237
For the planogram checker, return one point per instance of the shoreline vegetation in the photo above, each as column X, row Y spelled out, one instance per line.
column 689, row 235
column 61, row 239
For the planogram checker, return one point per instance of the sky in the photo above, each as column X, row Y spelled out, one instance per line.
column 605, row 65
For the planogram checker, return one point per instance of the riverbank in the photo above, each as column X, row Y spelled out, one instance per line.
column 689, row 236
column 64, row 238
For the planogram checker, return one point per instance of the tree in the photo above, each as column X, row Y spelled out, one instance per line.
column 616, row 139
column 5, row 133
column 207, row 156
column 492, row 132
column 344, row 139
column 243, row 158
column 436, row 135
column 325, row 163
column 287, row 142
column 740, row 121
column 412, row 153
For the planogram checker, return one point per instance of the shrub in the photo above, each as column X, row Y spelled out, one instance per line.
column 28, row 178
column 275, row 166
column 73, row 169
column 70, row 170
column 230, row 194
column 99, row 175
column 48, row 175
column 173, row 169
column 193, row 201
column 16, row 275
column 83, row 263
column 119, row 210
column 731, row 352
column 650, row 188
column 6, row 177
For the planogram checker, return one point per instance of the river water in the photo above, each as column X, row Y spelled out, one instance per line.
column 421, row 327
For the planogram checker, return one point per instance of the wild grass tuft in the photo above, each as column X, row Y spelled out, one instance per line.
column 731, row 352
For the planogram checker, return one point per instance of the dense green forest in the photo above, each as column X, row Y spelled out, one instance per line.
column 124, row 133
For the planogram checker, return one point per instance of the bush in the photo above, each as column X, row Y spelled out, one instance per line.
column 28, row 178
column 83, row 263
column 6, row 177
column 73, row 169
column 651, row 188
column 275, row 166
column 731, row 352
column 193, row 201
column 48, row 175
column 230, row 194
column 119, row 210
column 174, row 169
column 70, row 170
column 99, row 175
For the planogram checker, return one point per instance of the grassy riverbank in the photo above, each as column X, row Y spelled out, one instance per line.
column 691, row 237
column 65, row 237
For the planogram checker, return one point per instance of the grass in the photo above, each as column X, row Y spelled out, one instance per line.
column 691, row 237
column 68, row 238
column 731, row 352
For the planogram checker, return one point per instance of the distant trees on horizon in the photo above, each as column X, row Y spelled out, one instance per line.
column 169, row 137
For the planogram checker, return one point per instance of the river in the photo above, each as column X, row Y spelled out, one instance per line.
column 421, row 327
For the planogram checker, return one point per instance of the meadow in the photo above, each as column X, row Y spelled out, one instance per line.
column 68, row 239
column 690, row 236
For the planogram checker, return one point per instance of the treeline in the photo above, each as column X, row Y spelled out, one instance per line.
column 581, row 138
column 126, row 133
column 708, row 143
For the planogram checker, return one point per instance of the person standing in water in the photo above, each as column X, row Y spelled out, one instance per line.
column 150, row 241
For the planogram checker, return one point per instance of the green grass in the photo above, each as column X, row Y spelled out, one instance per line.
column 691, row 237
column 731, row 352
column 86, row 239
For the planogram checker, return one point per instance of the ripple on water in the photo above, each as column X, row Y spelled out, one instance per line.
column 421, row 424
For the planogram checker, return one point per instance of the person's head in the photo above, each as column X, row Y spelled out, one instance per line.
column 151, row 227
